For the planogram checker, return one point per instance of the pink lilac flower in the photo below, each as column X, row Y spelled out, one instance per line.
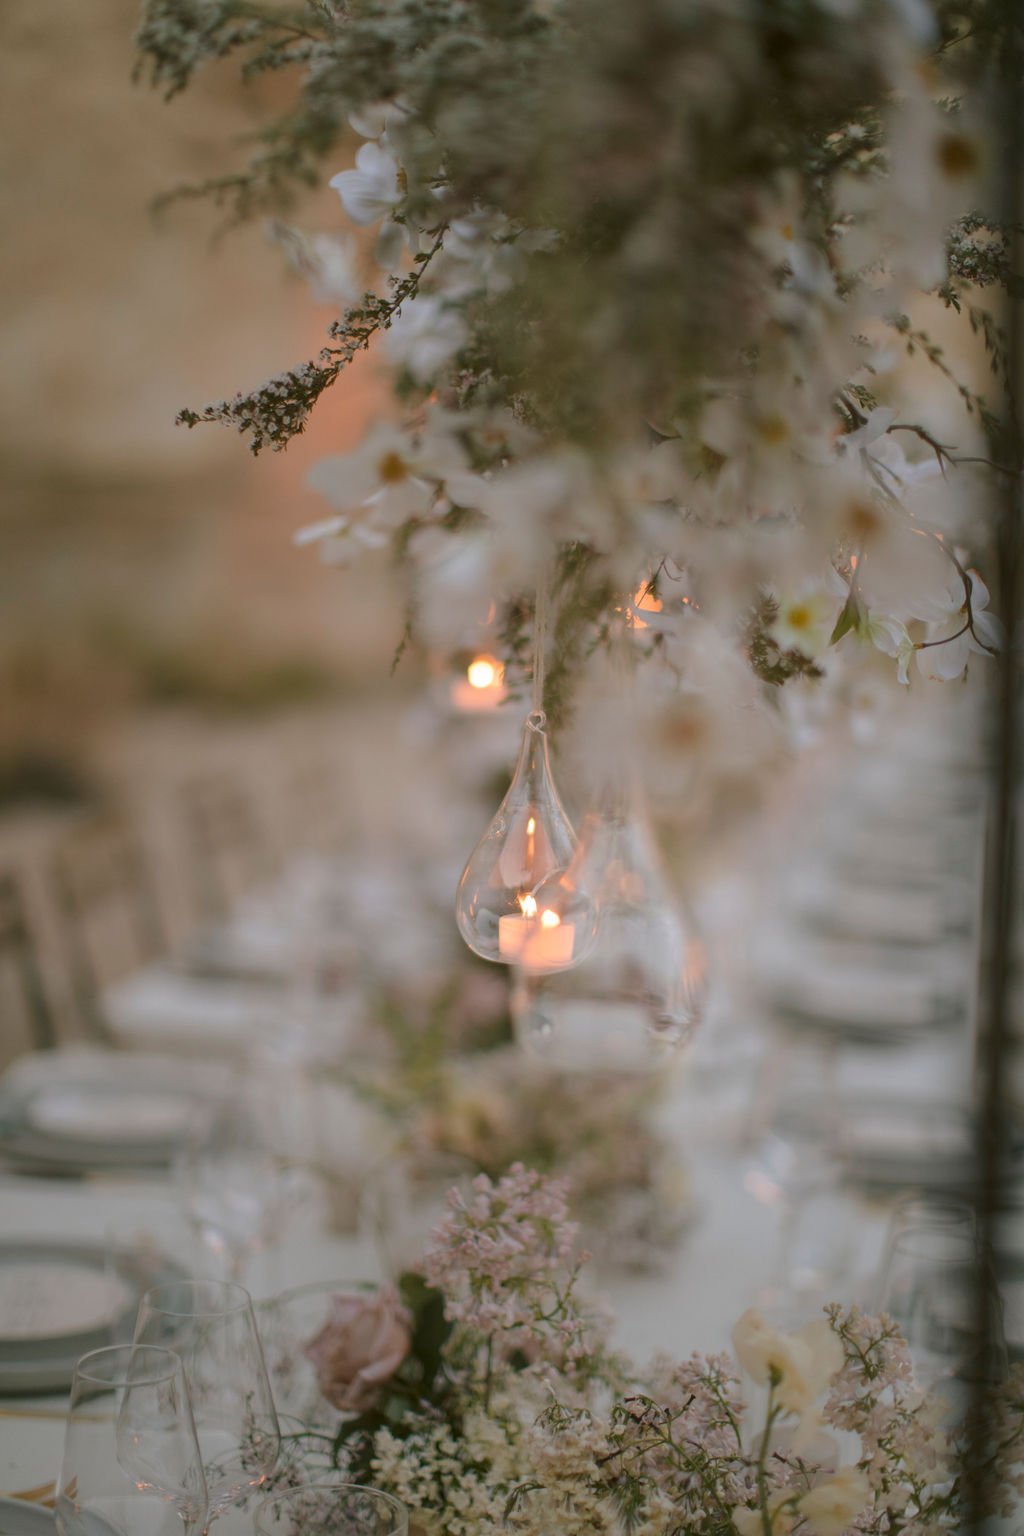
column 504, row 1260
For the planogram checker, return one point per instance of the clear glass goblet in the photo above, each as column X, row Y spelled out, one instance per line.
column 132, row 1464
column 931, row 1288
column 232, row 1185
column 921, row 1212
column 332, row 1509
column 212, row 1326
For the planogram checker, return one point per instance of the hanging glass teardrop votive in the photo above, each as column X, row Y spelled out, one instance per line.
column 529, row 840
column 640, row 992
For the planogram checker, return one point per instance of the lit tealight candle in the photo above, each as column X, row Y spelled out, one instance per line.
column 539, row 943
column 645, row 602
column 483, row 686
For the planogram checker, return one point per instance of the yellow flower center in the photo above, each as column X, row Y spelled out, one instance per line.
column 392, row 469
column 800, row 616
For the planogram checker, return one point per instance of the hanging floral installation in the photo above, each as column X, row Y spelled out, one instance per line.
column 691, row 312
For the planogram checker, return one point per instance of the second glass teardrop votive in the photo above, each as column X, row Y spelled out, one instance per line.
column 640, row 994
column 529, row 840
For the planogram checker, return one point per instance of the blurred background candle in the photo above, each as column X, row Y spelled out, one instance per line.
column 482, row 687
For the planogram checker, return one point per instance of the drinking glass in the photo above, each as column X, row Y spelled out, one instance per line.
column 331, row 1509
column 288, row 1323
column 931, row 1289
column 212, row 1326
column 915, row 1212
column 232, row 1184
column 131, row 1465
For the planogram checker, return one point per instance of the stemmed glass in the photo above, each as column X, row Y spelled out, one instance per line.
column 930, row 1288
column 131, row 1465
column 331, row 1509
column 915, row 1213
column 212, row 1326
column 231, row 1184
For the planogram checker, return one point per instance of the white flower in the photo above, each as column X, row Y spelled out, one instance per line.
column 377, row 119
column 949, row 641
column 834, row 1505
column 327, row 262
column 805, row 622
column 749, row 1522
column 803, row 1363
column 890, row 637
column 424, row 335
column 371, row 191
column 391, row 477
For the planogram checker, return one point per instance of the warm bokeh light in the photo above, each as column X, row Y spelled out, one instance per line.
column 483, row 672
column 550, row 919
column 644, row 601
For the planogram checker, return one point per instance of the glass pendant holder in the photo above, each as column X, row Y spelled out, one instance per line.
column 639, row 994
column 500, row 907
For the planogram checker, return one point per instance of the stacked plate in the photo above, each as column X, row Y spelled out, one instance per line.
column 60, row 1300
column 82, row 1125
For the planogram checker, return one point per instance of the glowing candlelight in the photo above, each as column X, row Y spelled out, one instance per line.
column 483, row 686
column 537, row 942
column 645, row 601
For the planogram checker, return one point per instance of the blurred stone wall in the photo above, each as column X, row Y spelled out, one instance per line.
column 139, row 562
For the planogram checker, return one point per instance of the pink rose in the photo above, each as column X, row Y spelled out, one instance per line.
column 360, row 1347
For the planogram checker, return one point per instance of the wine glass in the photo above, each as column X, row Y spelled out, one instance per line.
column 212, row 1326
column 131, row 1465
column 794, row 1138
column 331, row 1509
column 288, row 1323
column 231, row 1183
column 914, row 1212
column 931, row 1289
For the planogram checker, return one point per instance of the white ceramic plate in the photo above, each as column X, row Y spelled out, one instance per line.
column 93, row 1114
column 40, row 1299
column 45, row 1361
column 20, row 1519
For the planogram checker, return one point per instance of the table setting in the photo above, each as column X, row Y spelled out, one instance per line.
column 793, row 1202
column 586, row 1096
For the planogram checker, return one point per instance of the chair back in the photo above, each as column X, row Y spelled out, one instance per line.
column 108, row 911
column 230, row 851
column 22, row 976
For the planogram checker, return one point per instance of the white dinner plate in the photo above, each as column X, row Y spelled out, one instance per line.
column 76, row 1126
column 44, row 1358
column 44, row 1299
column 92, row 1113
column 20, row 1519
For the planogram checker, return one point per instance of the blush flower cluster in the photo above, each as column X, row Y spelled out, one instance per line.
column 505, row 1414
column 504, row 1259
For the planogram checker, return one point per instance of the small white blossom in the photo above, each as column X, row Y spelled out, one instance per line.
column 425, row 335
column 371, row 190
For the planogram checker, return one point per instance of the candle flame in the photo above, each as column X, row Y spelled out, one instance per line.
column 483, row 672
column 646, row 602
column 550, row 919
column 529, row 905
column 531, row 826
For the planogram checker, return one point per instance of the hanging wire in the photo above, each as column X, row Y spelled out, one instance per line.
column 540, row 636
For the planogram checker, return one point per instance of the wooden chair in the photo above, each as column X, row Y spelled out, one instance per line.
column 108, row 912
column 230, row 852
column 19, row 960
